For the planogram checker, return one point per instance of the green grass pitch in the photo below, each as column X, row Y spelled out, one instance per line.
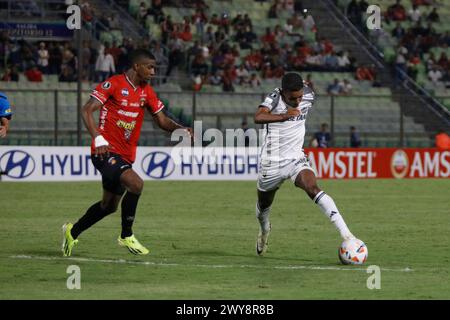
column 202, row 241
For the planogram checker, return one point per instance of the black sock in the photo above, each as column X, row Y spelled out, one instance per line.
column 129, row 204
column 93, row 215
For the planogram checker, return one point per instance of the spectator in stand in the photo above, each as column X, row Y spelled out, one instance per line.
column 331, row 61
column 322, row 137
column 245, row 37
column 159, row 54
column 216, row 78
column 115, row 51
column 247, row 22
column 176, row 55
column 142, row 13
column 209, row 37
column 354, row 13
column 398, row 32
column 431, row 61
column 254, row 81
column 43, row 58
column 433, row 16
column 227, row 81
column 355, row 140
column 114, row 22
column 273, row 14
column 34, row 74
column 215, row 20
column 254, row 60
column 199, row 19
column 55, row 59
column 309, row 82
column 396, row 12
column 104, row 66
column 156, row 10
column 443, row 61
column 288, row 5
column 412, row 65
column 344, row 63
column 365, row 73
column 346, row 88
column 242, row 74
column 186, row 34
column 309, row 25
column 278, row 32
column 414, row 14
column 442, row 140
column 167, row 27
column 400, row 64
column 199, row 66
column 11, row 74
column 435, row 75
column 225, row 23
column 335, row 88
column 268, row 37
column 67, row 75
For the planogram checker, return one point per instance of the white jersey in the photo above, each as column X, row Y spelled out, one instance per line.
column 283, row 141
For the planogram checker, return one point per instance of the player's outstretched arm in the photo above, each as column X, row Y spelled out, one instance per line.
column 263, row 115
column 4, row 125
column 101, row 145
column 167, row 124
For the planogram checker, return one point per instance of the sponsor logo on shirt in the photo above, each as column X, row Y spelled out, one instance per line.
column 126, row 125
column 106, row 85
column 125, row 92
column 128, row 113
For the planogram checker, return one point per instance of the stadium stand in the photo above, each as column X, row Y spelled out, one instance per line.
column 218, row 60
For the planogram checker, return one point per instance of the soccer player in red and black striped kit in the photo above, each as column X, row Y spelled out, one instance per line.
column 122, row 100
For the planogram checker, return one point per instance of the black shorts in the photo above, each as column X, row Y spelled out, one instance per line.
column 111, row 169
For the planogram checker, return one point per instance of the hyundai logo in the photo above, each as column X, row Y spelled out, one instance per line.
column 158, row 165
column 17, row 164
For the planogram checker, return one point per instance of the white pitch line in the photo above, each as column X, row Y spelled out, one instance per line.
column 211, row 266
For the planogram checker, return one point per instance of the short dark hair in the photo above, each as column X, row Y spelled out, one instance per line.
column 292, row 82
column 138, row 54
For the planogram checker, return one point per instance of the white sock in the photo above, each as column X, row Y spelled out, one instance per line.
column 263, row 218
column 328, row 207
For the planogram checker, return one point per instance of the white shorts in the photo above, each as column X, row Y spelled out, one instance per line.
column 271, row 175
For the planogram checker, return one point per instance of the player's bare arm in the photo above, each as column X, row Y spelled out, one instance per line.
column 4, row 125
column 167, row 124
column 101, row 145
column 263, row 115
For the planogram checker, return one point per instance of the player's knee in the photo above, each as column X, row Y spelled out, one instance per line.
column 137, row 186
column 310, row 188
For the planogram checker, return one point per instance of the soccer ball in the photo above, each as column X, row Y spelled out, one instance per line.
column 353, row 251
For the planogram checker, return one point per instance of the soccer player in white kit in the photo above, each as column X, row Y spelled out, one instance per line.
column 283, row 113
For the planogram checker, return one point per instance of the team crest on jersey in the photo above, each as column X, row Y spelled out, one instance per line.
column 106, row 85
column 125, row 92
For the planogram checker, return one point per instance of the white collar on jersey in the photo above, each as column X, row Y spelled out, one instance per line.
column 129, row 81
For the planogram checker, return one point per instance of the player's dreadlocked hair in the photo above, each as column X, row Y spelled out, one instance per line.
column 292, row 82
column 138, row 54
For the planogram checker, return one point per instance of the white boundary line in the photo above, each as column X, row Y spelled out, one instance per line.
column 208, row 266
